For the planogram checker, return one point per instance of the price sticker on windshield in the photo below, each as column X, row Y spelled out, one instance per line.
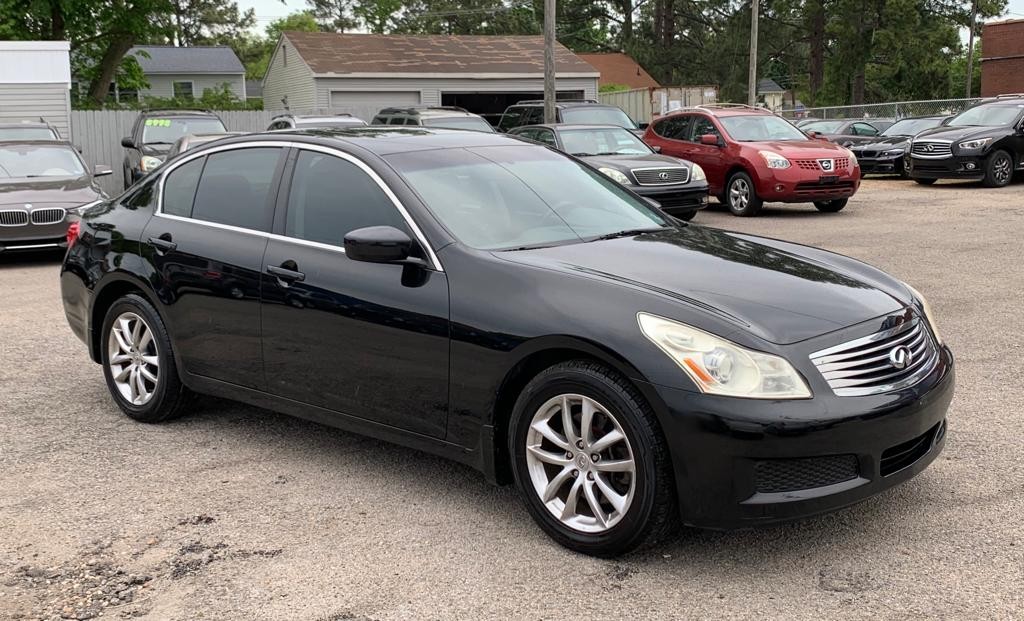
column 158, row 122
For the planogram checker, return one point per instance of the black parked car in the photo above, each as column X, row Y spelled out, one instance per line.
column 153, row 134
column 983, row 143
column 887, row 152
column 680, row 187
column 507, row 306
column 845, row 132
column 574, row 111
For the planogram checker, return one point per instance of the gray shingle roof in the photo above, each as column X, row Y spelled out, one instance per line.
column 769, row 86
column 200, row 59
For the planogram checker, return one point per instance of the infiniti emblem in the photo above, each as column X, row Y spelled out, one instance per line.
column 582, row 462
column 901, row 357
column 826, row 165
column 663, row 176
column 929, row 147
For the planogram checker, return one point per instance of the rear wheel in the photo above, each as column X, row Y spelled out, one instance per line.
column 831, row 206
column 924, row 181
column 741, row 196
column 998, row 170
column 590, row 460
column 138, row 362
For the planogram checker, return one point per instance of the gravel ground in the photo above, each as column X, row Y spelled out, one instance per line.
column 238, row 513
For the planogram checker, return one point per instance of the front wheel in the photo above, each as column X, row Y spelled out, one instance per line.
column 998, row 170
column 924, row 181
column 831, row 206
column 590, row 460
column 741, row 196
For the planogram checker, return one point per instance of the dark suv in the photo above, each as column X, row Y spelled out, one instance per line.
column 983, row 143
column 447, row 117
column 575, row 111
column 153, row 134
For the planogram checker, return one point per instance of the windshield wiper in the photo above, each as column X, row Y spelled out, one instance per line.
column 629, row 232
column 581, row 154
column 159, row 142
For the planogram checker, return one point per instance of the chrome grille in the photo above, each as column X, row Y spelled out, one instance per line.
column 864, row 366
column 13, row 218
column 48, row 216
column 661, row 176
column 932, row 149
column 839, row 163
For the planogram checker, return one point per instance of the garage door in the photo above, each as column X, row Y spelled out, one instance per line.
column 366, row 104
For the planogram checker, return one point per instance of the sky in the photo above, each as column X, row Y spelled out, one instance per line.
column 269, row 10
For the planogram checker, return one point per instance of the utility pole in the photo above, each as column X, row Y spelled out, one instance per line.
column 549, row 61
column 752, row 74
column 970, row 50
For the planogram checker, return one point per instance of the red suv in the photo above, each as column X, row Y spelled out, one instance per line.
column 751, row 156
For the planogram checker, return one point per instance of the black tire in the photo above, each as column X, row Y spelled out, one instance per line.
column 652, row 513
column 998, row 170
column 924, row 181
column 741, row 196
column 168, row 396
column 831, row 206
column 685, row 216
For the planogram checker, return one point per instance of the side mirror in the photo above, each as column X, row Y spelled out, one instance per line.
column 656, row 149
column 813, row 135
column 644, row 125
column 381, row 244
column 127, row 142
column 709, row 139
column 99, row 170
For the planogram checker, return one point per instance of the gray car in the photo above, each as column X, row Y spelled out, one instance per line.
column 679, row 187
column 44, row 185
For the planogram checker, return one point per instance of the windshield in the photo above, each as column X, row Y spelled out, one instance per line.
column 508, row 197
column 459, row 122
column 989, row 116
column 608, row 141
column 27, row 133
column 166, row 131
column 760, row 127
column 911, row 127
column 597, row 115
column 39, row 161
column 824, row 127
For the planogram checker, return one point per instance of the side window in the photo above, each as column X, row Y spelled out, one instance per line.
column 379, row 120
column 546, row 136
column 180, row 188
column 674, row 127
column 702, row 126
column 864, row 129
column 330, row 196
column 397, row 120
column 534, row 115
column 512, row 118
column 235, row 188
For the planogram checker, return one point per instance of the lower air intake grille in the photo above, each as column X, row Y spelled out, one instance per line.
column 788, row 475
column 898, row 457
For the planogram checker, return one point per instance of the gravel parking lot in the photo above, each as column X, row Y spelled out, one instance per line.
column 238, row 513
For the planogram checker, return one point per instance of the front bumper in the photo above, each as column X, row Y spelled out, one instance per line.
column 953, row 167
column 35, row 236
column 721, row 447
column 796, row 185
column 676, row 199
column 892, row 164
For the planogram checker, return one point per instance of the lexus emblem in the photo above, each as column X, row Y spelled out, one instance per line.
column 663, row 176
column 827, row 165
column 901, row 357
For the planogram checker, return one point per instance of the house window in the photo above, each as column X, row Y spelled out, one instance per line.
column 183, row 90
column 127, row 95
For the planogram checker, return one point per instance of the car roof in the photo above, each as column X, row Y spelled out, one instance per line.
column 429, row 111
column 176, row 112
column 385, row 139
column 11, row 124
column 52, row 143
column 565, row 103
column 560, row 127
column 317, row 117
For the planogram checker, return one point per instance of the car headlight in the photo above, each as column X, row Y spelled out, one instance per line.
column 697, row 173
column 722, row 367
column 774, row 160
column 894, row 153
column 615, row 175
column 150, row 163
column 974, row 144
column 928, row 316
column 81, row 208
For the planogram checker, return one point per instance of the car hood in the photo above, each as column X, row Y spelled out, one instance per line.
column 956, row 134
column 628, row 162
column 37, row 191
column 799, row 148
column 889, row 142
column 847, row 139
column 782, row 292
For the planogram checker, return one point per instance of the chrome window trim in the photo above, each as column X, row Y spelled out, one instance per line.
column 417, row 232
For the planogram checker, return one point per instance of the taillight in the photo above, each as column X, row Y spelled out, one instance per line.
column 72, row 235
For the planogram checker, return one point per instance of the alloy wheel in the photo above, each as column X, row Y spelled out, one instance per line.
column 133, row 358
column 739, row 194
column 580, row 463
column 1001, row 169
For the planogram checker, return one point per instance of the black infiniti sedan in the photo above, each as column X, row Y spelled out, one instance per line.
column 680, row 187
column 509, row 307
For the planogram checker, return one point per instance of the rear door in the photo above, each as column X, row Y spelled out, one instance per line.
column 368, row 340
column 207, row 242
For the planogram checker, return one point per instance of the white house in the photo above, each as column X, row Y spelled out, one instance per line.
column 35, row 82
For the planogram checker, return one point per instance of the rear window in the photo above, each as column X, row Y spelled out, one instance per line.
column 512, row 118
column 235, row 188
column 597, row 115
column 28, row 133
column 460, row 122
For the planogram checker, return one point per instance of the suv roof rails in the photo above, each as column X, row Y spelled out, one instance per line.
column 308, row 116
column 396, row 109
column 175, row 111
column 727, row 106
column 531, row 102
column 1010, row 96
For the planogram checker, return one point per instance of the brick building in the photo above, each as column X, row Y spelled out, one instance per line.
column 1002, row 58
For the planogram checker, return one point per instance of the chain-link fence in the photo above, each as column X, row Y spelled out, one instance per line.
column 894, row 110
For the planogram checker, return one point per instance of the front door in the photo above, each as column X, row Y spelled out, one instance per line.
column 363, row 339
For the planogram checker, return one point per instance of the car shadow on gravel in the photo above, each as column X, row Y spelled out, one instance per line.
column 26, row 258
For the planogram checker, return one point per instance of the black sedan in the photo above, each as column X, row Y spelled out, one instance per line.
column 507, row 306
column 887, row 153
column 680, row 187
column 845, row 132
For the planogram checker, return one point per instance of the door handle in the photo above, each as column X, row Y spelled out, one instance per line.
column 163, row 244
column 285, row 274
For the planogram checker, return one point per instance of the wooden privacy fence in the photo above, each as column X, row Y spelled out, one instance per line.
column 98, row 133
